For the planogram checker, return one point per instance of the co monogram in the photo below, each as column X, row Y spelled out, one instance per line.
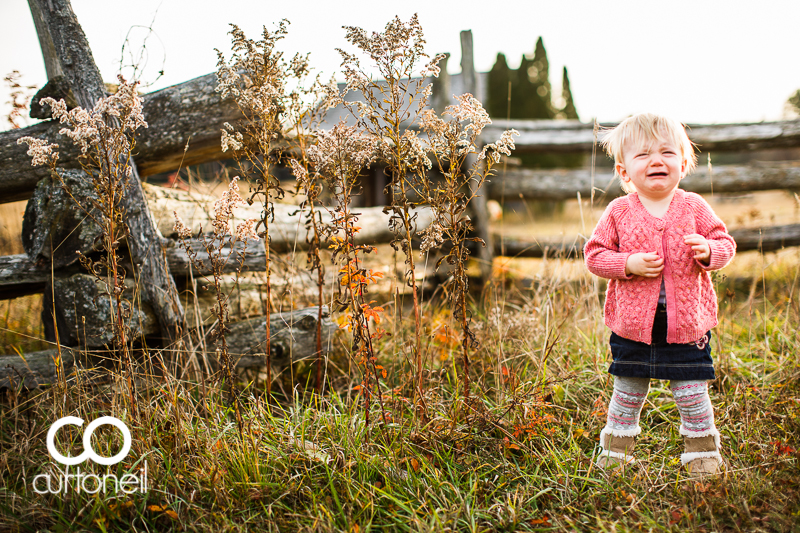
column 88, row 452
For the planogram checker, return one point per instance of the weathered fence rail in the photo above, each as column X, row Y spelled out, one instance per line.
column 19, row 275
column 563, row 184
column 768, row 239
column 68, row 57
column 199, row 114
column 27, row 273
column 188, row 116
column 574, row 136
column 292, row 338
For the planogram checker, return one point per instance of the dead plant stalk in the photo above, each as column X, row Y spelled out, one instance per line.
column 389, row 108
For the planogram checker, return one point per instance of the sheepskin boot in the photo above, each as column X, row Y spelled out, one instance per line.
column 701, row 454
column 701, row 437
column 617, row 447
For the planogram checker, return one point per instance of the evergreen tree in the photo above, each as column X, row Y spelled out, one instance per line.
column 521, row 107
column 793, row 103
column 498, row 79
column 531, row 92
column 568, row 111
column 539, row 73
column 529, row 102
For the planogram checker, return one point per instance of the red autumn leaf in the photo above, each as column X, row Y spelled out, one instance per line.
column 783, row 449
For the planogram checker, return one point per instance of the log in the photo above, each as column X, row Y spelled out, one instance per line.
column 766, row 239
column 537, row 248
column 18, row 178
column 85, row 313
column 478, row 207
column 53, row 227
column 58, row 89
column 19, row 275
column 52, row 63
column 58, row 21
column 562, row 184
column 539, row 136
column 293, row 339
column 51, row 218
column 35, row 369
column 287, row 231
column 190, row 112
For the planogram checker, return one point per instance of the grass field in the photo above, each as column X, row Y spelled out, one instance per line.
column 516, row 456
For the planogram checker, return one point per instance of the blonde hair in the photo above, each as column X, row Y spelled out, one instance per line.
column 647, row 128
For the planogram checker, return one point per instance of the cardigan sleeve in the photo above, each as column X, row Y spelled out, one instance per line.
column 601, row 252
column 710, row 226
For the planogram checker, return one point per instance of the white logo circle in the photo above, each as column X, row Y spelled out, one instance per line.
column 88, row 452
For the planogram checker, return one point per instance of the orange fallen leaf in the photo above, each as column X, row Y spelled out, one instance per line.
column 543, row 521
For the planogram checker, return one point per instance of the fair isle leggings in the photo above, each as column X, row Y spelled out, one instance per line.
column 691, row 397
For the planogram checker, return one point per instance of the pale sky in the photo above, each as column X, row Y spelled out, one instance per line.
column 700, row 61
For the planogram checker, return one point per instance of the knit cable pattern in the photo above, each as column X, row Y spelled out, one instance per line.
column 625, row 228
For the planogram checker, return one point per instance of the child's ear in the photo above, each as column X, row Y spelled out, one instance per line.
column 684, row 164
column 621, row 172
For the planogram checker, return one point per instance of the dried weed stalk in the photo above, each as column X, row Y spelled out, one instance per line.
column 280, row 102
column 20, row 96
column 339, row 156
column 220, row 247
column 105, row 136
column 451, row 142
column 391, row 106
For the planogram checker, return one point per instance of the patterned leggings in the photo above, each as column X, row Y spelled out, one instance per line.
column 691, row 397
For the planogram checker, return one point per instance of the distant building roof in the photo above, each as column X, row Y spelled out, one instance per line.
column 445, row 86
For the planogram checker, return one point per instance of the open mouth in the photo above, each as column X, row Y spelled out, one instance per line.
column 657, row 175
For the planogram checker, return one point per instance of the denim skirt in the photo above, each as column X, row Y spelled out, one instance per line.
column 661, row 360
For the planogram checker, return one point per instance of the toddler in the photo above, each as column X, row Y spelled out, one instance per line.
column 656, row 246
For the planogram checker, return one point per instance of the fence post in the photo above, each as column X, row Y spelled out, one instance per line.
column 65, row 49
column 479, row 209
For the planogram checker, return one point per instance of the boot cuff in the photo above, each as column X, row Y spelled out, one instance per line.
column 620, row 432
column 688, row 457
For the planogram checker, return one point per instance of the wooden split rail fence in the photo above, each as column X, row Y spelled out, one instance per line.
column 184, row 124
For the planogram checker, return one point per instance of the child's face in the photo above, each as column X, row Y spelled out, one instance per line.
column 654, row 169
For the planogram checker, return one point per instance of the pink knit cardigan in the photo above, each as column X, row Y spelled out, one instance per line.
column 626, row 227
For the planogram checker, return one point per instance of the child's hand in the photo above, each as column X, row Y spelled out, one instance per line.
column 648, row 264
column 699, row 244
